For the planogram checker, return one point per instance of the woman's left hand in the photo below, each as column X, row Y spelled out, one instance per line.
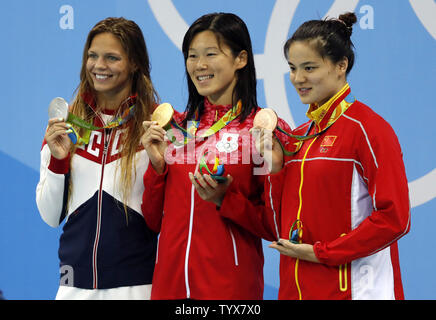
column 208, row 189
column 301, row 251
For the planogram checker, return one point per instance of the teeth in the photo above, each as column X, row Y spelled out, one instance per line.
column 201, row 78
column 101, row 76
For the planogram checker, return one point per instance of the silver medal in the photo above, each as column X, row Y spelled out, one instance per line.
column 58, row 108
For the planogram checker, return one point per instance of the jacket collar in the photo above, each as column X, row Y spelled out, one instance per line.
column 89, row 99
column 329, row 112
column 208, row 106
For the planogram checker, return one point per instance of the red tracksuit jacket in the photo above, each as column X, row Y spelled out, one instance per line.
column 205, row 252
column 349, row 189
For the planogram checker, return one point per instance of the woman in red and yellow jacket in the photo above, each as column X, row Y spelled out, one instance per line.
column 341, row 199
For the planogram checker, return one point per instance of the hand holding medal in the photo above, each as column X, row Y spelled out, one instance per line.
column 56, row 135
column 163, row 115
column 266, row 119
column 59, row 108
column 264, row 124
column 153, row 138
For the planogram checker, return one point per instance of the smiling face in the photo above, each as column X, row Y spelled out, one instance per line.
column 212, row 67
column 315, row 78
column 109, row 68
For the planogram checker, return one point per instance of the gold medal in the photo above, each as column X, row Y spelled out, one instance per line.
column 163, row 114
column 266, row 118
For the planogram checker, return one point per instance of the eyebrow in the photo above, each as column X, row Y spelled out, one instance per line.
column 208, row 48
column 303, row 64
column 107, row 53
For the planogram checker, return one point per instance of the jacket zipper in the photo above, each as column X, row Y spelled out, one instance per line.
column 300, row 297
column 188, row 245
column 99, row 209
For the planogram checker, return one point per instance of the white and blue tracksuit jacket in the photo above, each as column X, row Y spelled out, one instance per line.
column 103, row 247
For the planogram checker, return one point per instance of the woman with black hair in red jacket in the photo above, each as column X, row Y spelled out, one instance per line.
column 341, row 199
column 210, row 225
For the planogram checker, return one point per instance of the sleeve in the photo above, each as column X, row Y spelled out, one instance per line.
column 273, row 198
column 284, row 139
column 248, row 212
column 381, row 158
column 257, row 213
column 51, row 190
column 153, row 197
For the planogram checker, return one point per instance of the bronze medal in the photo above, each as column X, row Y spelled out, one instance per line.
column 163, row 114
column 266, row 118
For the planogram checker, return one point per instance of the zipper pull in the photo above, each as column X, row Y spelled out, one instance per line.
column 106, row 137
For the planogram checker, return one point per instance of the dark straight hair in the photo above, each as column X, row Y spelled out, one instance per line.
column 231, row 30
column 332, row 38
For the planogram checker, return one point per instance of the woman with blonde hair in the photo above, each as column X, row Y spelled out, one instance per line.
column 106, row 249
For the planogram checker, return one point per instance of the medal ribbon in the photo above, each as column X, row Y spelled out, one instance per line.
column 329, row 113
column 189, row 133
column 118, row 121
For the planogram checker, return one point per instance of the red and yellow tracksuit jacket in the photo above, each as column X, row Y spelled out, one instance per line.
column 348, row 188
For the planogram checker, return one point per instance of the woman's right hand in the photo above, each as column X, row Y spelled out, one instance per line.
column 57, row 138
column 269, row 148
column 154, row 143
